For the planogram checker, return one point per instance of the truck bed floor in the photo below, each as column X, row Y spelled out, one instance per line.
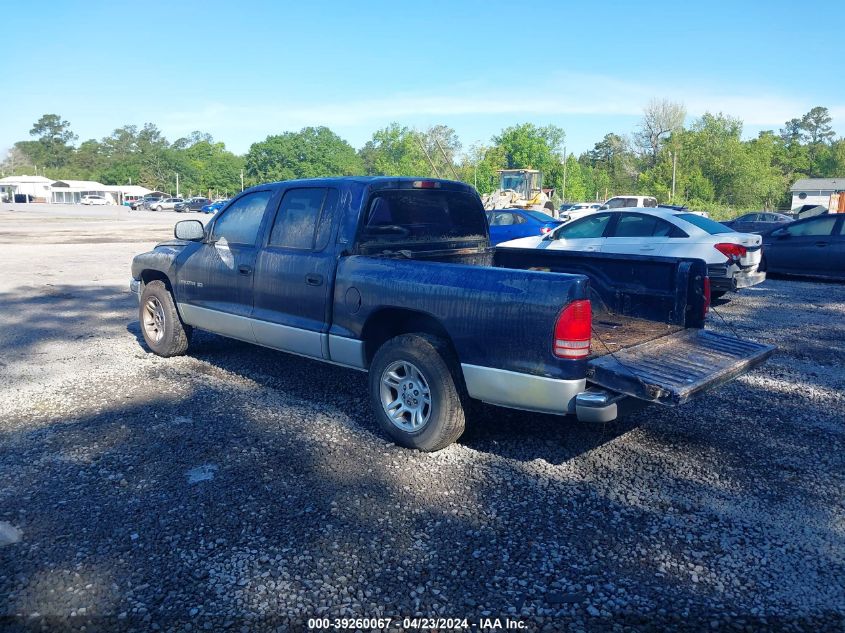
column 614, row 332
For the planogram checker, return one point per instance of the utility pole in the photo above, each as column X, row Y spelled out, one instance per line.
column 177, row 184
column 563, row 192
column 242, row 179
column 674, row 165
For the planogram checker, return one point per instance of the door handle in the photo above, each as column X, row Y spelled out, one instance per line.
column 647, row 248
column 245, row 270
column 589, row 248
column 821, row 243
column 313, row 279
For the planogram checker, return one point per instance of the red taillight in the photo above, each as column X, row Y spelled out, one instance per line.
column 426, row 184
column 731, row 251
column 707, row 297
column 572, row 330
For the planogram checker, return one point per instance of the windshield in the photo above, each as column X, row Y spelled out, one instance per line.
column 411, row 216
column 705, row 224
column 513, row 181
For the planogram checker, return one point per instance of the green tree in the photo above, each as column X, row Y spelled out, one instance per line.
column 817, row 132
column 398, row 151
column 310, row 153
column 52, row 147
column 575, row 186
column 614, row 157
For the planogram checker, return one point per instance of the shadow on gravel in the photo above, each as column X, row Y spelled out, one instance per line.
column 34, row 316
column 111, row 522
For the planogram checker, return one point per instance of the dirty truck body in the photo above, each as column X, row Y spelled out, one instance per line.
column 396, row 276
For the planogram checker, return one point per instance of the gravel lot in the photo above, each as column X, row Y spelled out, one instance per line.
column 247, row 489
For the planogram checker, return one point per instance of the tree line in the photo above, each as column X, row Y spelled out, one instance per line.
column 705, row 164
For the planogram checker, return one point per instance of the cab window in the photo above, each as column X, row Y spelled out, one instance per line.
column 240, row 222
column 817, row 227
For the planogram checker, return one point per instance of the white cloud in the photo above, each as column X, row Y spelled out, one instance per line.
column 565, row 94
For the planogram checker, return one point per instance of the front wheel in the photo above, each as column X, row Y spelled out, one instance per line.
column 163, row 330
column 416, row 392
column 159, row 208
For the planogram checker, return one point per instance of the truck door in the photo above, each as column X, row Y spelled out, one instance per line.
column 294, row 274
column 215, row 281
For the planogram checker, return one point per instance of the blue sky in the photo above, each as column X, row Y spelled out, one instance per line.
column 244, row 70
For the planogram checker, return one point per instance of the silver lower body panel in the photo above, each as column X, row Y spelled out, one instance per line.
column 522, row 391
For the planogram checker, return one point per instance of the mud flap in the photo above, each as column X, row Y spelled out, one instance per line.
column 673, row 369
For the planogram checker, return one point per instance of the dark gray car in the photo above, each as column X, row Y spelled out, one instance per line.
column 757, row 222
column 813, row 247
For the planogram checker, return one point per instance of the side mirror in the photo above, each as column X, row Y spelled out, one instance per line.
column 189, row 230
column 781, row 234
column 603, row 207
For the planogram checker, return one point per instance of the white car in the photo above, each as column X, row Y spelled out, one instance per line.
column 578, row 210
column 99, row 200
column 732, row 258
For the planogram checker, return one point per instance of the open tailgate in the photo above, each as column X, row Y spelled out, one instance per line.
column 672, row 369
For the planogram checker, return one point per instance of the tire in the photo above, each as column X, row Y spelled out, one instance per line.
column 163, row 330
column 400, row 373
column 159, row 208
column 718, row 294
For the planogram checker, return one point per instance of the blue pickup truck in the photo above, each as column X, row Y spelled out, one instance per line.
column 397, row 277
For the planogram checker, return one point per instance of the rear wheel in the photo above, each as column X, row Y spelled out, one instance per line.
column 159, row 208
column 416, row 392
column 163, row 330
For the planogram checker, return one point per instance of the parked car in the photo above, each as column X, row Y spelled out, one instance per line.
column 93, row 200
column 396, row 277
column 509, row 224
column 146, row 201
column 757, row 222
column 165, row 204
column 625, row 202
column 814, row 246
column 191, row 204
column 214, row 207
column 578, row 210
column 732, row 258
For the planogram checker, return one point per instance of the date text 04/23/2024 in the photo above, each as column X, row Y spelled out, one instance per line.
column 454, row 624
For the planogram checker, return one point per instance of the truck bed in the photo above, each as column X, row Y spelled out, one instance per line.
column 614, row 332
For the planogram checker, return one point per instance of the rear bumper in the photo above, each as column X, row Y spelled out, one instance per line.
column 553, row 396
column 727, row 279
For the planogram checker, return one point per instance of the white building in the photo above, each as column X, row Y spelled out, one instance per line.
column 815, row 191
column 71, row 191
column 36, row 188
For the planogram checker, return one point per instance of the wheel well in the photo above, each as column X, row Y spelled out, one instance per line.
column 151, row 275
column 388, row 323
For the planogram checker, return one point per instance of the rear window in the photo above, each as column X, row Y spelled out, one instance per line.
column 539, row 216
column 705, row 224
column 426, row 215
